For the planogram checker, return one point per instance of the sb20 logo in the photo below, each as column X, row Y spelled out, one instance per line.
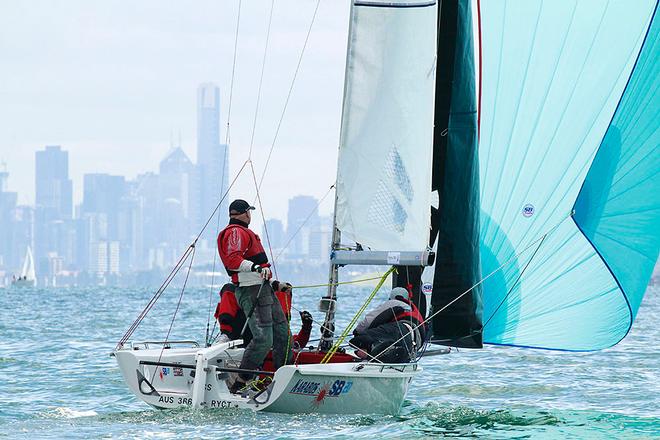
column 340, row 387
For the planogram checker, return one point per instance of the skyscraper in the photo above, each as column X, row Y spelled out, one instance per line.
column 302, row 218
column 275, row 233
column 7, row 206
column 102, row 199
column 102, row 194
column 175, row 178
column 53, row 211
column 54, row 190
column 212, row 159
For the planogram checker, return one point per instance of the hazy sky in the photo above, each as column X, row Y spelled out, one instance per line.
column 111, row 81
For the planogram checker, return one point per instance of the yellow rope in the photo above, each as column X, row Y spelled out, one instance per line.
column 337, row 284
column 341, row 339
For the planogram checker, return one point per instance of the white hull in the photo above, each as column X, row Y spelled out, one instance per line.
column 23, row 283
column 341, row 388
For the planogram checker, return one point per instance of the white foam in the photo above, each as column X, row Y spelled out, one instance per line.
column 69, row 413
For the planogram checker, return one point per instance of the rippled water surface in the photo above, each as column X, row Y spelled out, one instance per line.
column 58, row 381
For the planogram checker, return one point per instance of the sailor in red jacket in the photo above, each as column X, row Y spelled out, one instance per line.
column 379, row 332
column 246, row 262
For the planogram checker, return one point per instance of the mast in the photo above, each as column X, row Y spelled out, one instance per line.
column 328, row 303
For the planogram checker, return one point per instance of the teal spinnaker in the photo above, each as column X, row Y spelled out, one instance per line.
column 569, row 169
column 618, row 208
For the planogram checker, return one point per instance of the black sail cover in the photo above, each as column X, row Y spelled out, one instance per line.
column 455, row 223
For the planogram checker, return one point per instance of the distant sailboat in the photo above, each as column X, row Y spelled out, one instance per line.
column 28, row 277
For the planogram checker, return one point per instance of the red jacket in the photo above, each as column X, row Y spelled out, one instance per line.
column 231, row 317
column 413, row 315
column 239, row 249
column 302, row 338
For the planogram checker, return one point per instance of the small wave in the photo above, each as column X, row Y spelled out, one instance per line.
column 434, row 418
column 68, row 413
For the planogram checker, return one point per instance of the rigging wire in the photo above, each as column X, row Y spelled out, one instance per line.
column 191, row 248
column 515, row 283
column 288, row 96
column 261, row 79
column 175, row 270
column 222, row 179
column 258, row 185
column 254, row 125
column 178, row 306
column 304, row 222
column 233, row 71
column 154, row 299
column 279, row 124
column 263, row 218
column 514, row 257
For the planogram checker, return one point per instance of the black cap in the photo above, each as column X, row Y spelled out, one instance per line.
column 239, row 206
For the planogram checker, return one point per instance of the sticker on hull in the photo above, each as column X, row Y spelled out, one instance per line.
column 321, row 391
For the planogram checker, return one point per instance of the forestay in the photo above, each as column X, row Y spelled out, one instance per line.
column 554, row 75
column 384, row 170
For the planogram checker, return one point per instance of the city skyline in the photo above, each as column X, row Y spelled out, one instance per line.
column 115, row 90
column 79, row 202
column 124, row 228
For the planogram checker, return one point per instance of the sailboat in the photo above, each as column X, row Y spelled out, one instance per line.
column 508, row 149
column 27, row 278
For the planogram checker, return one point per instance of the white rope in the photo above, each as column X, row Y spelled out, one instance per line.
column 209, row 332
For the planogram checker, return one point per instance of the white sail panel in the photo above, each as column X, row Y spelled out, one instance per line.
column 385, row 153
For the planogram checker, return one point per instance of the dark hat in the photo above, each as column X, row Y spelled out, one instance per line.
column 239, row 206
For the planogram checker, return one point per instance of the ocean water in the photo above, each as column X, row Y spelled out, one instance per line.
column 57, row 379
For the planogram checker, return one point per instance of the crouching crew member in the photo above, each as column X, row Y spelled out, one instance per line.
column 397, row 318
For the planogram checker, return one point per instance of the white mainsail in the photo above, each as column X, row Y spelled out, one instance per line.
column 385, row 153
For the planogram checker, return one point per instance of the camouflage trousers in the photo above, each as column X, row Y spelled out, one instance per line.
column 268, row 325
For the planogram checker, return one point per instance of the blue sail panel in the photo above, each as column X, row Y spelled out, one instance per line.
column 553, row 74
column 618, row 208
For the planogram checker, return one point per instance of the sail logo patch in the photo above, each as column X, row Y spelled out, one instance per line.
column 528, row 210
column 427, row 288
